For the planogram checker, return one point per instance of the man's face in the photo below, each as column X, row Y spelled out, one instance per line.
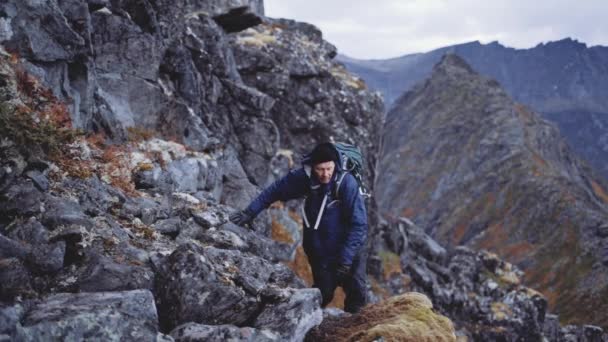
column 324, row 171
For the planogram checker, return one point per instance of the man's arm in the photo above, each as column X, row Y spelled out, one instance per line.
column 295, row 184
column 354, row 207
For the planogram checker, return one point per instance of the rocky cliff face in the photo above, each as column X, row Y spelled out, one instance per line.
column 565, row 80
column 472, row 167
column 174, row 68
column 130, row 129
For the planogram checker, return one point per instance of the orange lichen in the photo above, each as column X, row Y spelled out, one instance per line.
column 279, row 232
column 58, row 114
column 301, row 267
column 338, row 300
column 408, row 212
column 494, row 236
column 517, row 252
column 97, row 140
column 458, row 233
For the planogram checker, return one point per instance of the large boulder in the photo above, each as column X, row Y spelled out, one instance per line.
column 293, row 315
column 216, row 286
column 109, row 316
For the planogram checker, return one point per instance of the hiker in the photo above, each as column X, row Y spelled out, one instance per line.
column 335, row 223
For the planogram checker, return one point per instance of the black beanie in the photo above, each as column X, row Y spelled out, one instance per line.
column 323, row 153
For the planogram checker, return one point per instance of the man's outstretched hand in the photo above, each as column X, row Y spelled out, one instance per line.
column 241, row 218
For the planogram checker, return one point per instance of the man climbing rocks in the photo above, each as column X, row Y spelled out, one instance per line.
column 335, row 223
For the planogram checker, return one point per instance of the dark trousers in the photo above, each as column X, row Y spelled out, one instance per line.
column 354, row 285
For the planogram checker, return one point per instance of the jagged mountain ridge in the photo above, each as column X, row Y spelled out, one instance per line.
column 564, row 80
column 472, row 167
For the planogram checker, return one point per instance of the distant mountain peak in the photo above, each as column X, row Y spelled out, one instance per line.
column 453, row 64
column 566, row 43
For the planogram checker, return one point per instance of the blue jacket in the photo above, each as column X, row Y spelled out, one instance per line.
column 343, row 227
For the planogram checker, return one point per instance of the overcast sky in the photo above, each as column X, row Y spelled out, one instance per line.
column 390, row 28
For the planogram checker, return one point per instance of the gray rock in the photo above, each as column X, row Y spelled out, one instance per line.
column 551, row 328
column 171, row 226
column 46, row 42
column 225, row 239
column 110, row 316
column 334, row 313
column 21, row 199
column 237, row 191
column 12, row 249
column 210, row 218
column 293, row 317
column 47, row 259
column 592, row 333
column 149, row 210
column 425, row 244
column 40, row 180
column 30, row 231
column 187, row 175
column 189, row 231
column 153, row 179
column 94, row 196
column 16, row 280
column 63, row 212
column 9, row 318
column 255, row 243
column 237, row 19
column 103, row 274
column 201, row 332
column 189, row 288
column 602, row 230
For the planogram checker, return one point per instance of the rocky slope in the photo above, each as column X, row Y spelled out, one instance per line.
column 130, row 129
column 482, row 294
column 565, row 80
column 472, row 167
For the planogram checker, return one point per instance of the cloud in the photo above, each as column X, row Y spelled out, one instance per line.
column 388, row 28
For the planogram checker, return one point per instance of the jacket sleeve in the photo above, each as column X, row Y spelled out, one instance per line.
column 295, row 184
column 354, row 207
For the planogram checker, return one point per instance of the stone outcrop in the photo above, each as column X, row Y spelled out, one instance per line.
column 100, row 316
column 483, row 295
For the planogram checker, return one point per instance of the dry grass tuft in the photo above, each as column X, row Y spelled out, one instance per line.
column 408, row 317
column 137, row 134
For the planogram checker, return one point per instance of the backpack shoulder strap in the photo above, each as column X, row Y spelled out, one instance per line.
column 339, row 183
